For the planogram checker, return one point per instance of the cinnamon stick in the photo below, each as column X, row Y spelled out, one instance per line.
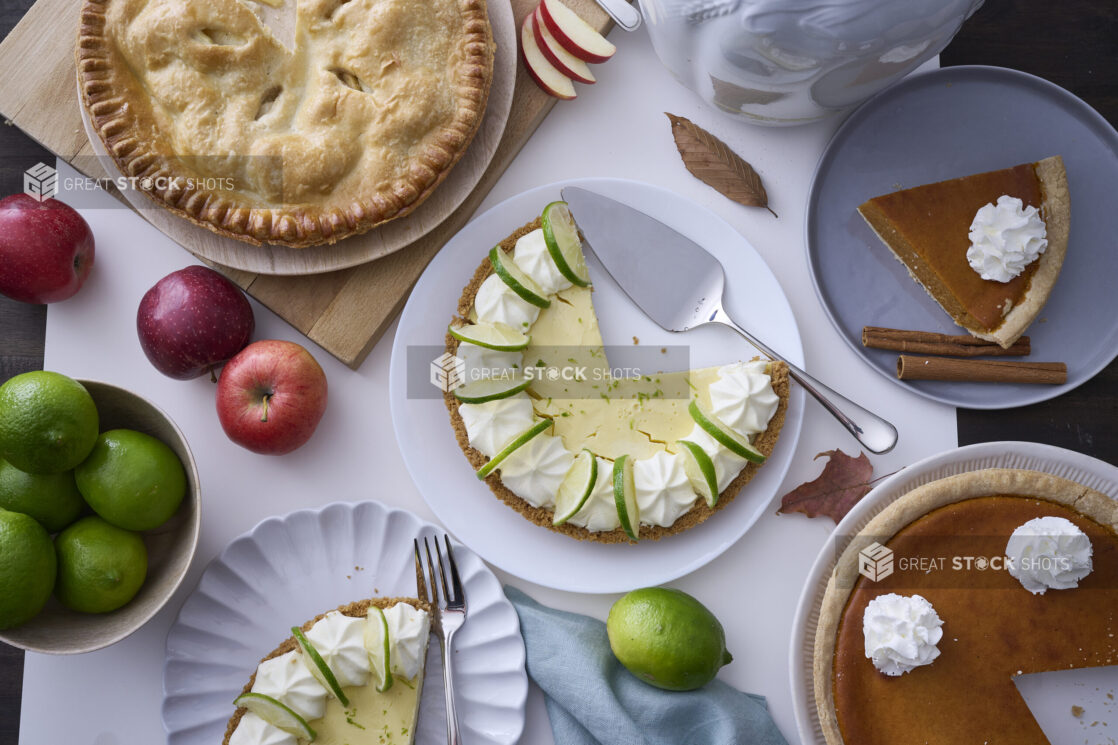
column 928, row 342
column 983, row 371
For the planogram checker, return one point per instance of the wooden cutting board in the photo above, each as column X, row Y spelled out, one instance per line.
column 345, row 311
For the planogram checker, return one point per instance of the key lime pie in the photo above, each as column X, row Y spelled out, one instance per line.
column 354, row 674
column 566, row 443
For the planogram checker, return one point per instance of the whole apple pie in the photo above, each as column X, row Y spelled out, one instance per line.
column 219, row 121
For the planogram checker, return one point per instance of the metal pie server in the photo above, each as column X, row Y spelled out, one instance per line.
column 678, row 284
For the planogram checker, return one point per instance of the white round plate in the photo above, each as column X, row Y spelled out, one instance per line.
column 1067, row 464
column 289, row 569
column 466, row 505
column 358, row 249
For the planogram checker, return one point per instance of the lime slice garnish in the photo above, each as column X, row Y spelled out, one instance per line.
column 516, row 279
column 491, row 389
column 277, row 714
column 513, row 446
column 725, row 436
column 700, row 471
column 377, row 643
column 563, row 243
column 496, row 336
column 576, row 487
column 625, row 495
column 318, row 667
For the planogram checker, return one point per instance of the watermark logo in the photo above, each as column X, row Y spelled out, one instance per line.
column 40, row 182
column 448, row 372
column 875, row 562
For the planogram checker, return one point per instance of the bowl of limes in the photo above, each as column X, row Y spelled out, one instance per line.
column 99, row 512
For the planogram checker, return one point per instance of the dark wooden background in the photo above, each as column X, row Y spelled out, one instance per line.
column 1072, row 43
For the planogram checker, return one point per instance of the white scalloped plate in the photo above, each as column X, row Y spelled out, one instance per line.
column 289, row 569
column 1067, row 464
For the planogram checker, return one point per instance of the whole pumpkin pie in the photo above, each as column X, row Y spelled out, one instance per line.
column 993, row 628
column 927, row 228
column 222, row 123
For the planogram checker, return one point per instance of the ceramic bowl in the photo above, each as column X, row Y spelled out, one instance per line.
column 171, row 546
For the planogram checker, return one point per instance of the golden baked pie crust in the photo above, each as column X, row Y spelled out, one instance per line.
column 765, row 441
column 904, row 511
column 355, row 126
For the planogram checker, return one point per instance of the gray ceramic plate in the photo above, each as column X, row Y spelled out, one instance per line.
column 954, row 122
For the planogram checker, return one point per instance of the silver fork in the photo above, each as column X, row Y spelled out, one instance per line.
column 450, row 614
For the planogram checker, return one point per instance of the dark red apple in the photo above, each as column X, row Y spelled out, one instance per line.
column 192, row 321
column 271, row 396
column 46, row 249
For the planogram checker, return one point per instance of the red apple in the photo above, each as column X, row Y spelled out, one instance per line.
column 576, row 35
column 192, row 321
column 271, row 396
column 545, row 74
column 46, row 249
column 564, row 61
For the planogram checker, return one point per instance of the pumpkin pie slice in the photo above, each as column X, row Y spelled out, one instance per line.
column 927, row 229
column 993, row 628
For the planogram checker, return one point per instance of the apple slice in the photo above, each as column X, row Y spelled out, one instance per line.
column 557, row 55
column 576, row 35
column 547, row 77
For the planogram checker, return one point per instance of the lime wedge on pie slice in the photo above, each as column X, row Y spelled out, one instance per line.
column 700, row 471
column 275, row 713
column 726, row 437
column 496, row 336
column 318, row 667
column 515, row 444
column 519, row 282
column 625, row 494
column 380, row 654
column 576, row 486
column 563, row 243
column 491, row 389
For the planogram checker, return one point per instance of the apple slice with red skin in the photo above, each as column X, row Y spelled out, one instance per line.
column 271, row 397
column 576, row 35
column 545, row 74
column 557, row 55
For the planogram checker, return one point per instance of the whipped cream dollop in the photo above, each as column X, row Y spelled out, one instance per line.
column 600, row 511
column 1048, row 553
column 663, row 490
column 252, row 730
column 288, row 680
column 1005, row 238
column 408, row 628
column 480, row 362
column 490, row 426
column 533, row 258
column 535, row 470
column 901, row 632
column 495, row 302
column 340, row 641
column 743, row 397
column 727, row 464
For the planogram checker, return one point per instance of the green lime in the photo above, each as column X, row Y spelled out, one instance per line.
column 28, row 569
column 51, row 498
column 48, row 422
column 132, row 480
column 100, row 566
column 667, row 638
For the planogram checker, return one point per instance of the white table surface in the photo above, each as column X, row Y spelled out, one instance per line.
column 614, row 128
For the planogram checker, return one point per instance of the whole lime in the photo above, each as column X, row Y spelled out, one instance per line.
column 28, row 568
column 51, row 498
column 667, row 638
column 48, row 422
column 100, row 566
column 132, row 480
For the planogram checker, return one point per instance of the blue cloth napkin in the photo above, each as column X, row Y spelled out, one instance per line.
column 593, row 700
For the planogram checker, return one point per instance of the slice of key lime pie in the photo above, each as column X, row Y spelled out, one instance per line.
column 352, row 675
column 567, row 443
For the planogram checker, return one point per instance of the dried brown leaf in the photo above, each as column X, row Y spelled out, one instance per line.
column 844, row 481
column 711, row 160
